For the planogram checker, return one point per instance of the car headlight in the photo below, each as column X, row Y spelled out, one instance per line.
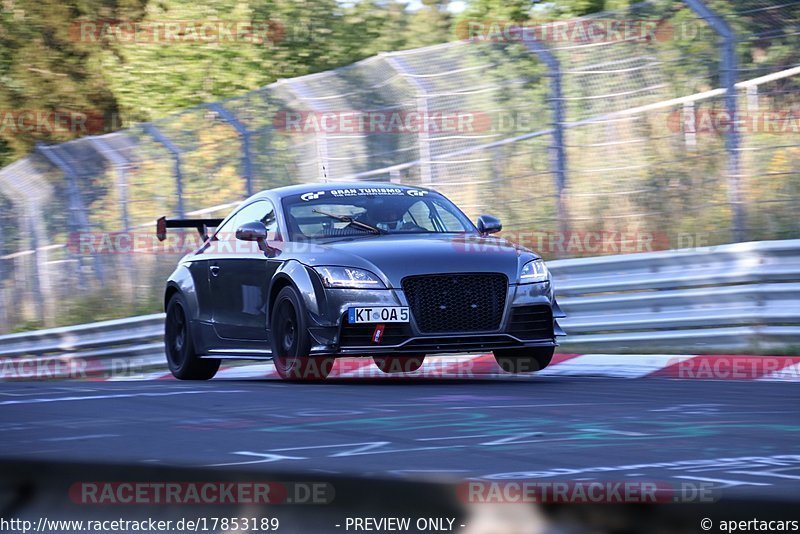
column 348, row 277
column 534, row 271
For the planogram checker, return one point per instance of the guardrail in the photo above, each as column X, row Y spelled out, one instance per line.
column 742, row 297
column 131, row 345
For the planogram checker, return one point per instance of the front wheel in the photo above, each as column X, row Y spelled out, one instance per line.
column 291, row 343
column 527, row 360
column 399, row 364
column 183, row 361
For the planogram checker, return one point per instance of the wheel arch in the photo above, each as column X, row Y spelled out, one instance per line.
column 278, row 283
column 181, row 281
column 169, row 292
column 294, row 274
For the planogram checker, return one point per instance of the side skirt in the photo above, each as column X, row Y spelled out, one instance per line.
column 238, row 354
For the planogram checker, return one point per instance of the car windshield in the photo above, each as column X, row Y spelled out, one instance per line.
column 371, row 211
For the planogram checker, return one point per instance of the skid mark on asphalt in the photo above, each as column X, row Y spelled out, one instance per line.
column 80, row 438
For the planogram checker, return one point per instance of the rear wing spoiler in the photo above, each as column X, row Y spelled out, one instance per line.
column 201, row 225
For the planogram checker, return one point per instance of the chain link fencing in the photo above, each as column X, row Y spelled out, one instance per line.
column 625, row 125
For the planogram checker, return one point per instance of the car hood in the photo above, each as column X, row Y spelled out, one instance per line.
column 396, row 256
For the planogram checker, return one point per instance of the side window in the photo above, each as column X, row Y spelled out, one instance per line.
column 261, row 210
column 227, row 228
column 224, row 233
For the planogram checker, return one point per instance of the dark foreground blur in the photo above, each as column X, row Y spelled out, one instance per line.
column 34, row 496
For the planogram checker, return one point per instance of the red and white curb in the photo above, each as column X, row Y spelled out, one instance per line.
column 480, row 367
column 703, row 367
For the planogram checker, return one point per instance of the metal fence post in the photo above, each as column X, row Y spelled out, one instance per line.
column 79, row 219
column 27, row 195
column 120, row 167
column 558, row 150
column 156, row 134
column 425, row 167
column 43, row 304
column 124, row 278
column 728, row 76
column 241, row 129
column 325, row 173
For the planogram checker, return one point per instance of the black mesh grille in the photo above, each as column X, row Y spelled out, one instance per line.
column 457, row 302
column 532, row 322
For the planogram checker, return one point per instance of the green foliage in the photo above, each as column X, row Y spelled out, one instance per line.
column 81, row 56
column 43, row 67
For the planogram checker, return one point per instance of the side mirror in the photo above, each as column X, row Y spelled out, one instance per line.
column 489, row 225
column 252, row 231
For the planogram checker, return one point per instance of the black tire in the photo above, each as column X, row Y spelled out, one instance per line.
column 527, row 360
column 291, row 342
column 399, row 364
column 183, row 361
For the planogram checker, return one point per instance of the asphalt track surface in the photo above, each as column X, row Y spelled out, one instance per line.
column 741, row 437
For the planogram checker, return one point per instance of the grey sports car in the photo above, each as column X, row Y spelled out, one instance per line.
column 306, row 273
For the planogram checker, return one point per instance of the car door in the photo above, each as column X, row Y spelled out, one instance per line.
column 239, row 274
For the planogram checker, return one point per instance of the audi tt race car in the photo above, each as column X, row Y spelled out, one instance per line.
column 303, row 274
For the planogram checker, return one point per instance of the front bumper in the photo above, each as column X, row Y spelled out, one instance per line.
column 529, row 320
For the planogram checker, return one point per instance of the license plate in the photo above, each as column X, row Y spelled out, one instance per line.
column 378, row 314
